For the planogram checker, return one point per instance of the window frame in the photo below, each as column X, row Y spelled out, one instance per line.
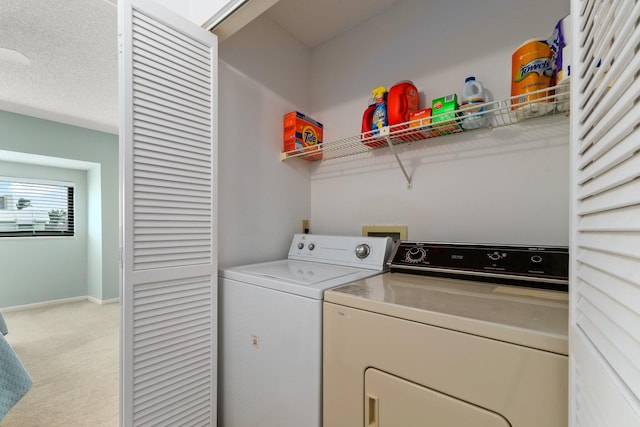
column 71, row 226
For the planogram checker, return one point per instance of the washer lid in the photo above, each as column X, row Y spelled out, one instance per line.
column 307, row 279
column 299, row 272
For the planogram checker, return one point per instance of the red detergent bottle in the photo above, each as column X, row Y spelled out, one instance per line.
column 402, row 100
column 367, row 119
column 367, row 131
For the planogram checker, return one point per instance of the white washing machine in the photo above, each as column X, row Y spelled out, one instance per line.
column 454, row 335
column 270, row 333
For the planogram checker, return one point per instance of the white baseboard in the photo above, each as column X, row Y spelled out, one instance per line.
column 59, row 301
column 42, row 304
column 103, row 301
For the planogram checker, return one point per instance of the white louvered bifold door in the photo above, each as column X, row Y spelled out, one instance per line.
column 605, row 247
column 168, row 87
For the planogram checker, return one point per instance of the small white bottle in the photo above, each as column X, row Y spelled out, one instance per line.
column 473, row 95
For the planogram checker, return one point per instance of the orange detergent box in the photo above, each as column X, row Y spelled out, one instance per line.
column 420, row 121
column 301, row 132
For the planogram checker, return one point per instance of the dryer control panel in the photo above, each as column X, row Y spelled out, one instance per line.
column 534, row 266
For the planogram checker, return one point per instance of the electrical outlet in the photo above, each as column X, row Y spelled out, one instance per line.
column 305, row 226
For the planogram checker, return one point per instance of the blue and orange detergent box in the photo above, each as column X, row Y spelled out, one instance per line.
column 301, row 132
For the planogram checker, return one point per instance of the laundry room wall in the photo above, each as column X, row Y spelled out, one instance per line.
column 507, row 185
column 263, row 74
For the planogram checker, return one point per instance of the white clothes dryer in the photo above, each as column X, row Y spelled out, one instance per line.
column 454, row 335
column 270, row 332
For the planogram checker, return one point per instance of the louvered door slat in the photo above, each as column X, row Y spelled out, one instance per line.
column 187, row 180
column 157, row 126
column 168, row 33
column 623, row 268
column 168, row 73
column 622, row 146
column 173, row 111
column 146, row 205
column 168, row 137
column 611, row 177
column 155, row 115
column 597, row 326
column 621, row 196
column 613, row 114
column 167, row 360
column 171, row 114
column 619, row 289
column 175, row 50
column 625, row 54
column 605, row 273
column 621, row 220
column 159, row 395
column 186, row 150
column 151, row 168
column 160, row 160
column 615, row 243
column 182, row 98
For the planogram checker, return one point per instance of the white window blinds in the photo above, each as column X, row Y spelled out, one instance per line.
column 31, row 208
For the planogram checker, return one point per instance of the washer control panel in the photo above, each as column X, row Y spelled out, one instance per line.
column 536, row 266
column 355, row 251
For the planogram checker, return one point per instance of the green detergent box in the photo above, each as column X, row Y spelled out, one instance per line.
column 443, row 115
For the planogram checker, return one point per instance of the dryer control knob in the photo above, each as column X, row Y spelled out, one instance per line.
column 363, row 250
column 311, row 246
column 415, row 255
column 300, row 245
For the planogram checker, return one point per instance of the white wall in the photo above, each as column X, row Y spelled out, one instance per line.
column 263, row 75
column 501, row 186
column 505, row 186
column 488, row 186
column 436, row 44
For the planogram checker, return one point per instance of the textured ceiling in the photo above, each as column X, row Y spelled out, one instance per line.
column 72, row 49
column 72, row 46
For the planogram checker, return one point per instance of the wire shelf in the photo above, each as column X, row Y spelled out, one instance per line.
column 544, row 102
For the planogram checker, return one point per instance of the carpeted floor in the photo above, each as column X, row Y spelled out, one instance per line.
column 71, row 352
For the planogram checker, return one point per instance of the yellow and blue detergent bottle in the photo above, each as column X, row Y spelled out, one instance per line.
column 380, row 117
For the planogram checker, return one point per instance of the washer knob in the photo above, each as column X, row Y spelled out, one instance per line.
column 300, row 245
column 311, row 246
column 363, row 250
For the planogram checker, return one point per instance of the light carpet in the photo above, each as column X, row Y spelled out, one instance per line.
column 71, row 352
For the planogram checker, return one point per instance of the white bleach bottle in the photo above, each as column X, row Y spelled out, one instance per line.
column 473, row 115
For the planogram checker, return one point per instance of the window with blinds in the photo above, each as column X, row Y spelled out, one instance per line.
column 31, row 208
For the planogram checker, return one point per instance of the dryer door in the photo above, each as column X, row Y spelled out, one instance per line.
column 391, row 401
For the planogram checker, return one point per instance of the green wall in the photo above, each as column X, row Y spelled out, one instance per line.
column 45, row 268
column 96, row 272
